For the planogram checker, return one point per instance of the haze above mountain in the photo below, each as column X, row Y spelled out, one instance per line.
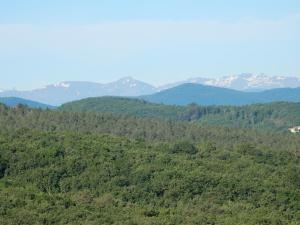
column 57, row 94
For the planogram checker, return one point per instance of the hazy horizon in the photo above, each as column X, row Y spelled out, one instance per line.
column 157, row 42
column 157, row 85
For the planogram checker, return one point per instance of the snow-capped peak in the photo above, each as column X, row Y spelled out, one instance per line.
column 126, row 80
column 255, row 82
column 131, row 83
column 244, row 82
column 62, row 85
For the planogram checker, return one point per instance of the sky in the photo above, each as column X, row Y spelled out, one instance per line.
column 157, row 41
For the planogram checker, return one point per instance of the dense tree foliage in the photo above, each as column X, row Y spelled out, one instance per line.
column 59, row 167
column 274, row 116
column 148, row 129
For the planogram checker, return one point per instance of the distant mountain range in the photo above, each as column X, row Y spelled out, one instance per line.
column 57, row 94
column 243, row 82
column 12, row 101
column 208, row 95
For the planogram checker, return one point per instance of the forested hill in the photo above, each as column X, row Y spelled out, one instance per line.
column 125, row 106
column 24, row 118
column 277, row 116
column 59, row 167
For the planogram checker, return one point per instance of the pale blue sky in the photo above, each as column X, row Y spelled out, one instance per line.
column 44, row 42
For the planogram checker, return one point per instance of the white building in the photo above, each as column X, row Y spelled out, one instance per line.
column 295, row 129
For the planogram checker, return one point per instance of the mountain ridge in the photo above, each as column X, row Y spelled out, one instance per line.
column 14, row 101
column 243, row 82
column 209, row 95
column 66, row 91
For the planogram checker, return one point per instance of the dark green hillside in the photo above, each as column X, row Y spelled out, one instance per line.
column 149, row 129
column 12, row 101
column 125, row 106
column 61, row 167
column 278, row 116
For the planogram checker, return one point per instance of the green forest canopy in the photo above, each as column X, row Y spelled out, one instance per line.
column 59, row 167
